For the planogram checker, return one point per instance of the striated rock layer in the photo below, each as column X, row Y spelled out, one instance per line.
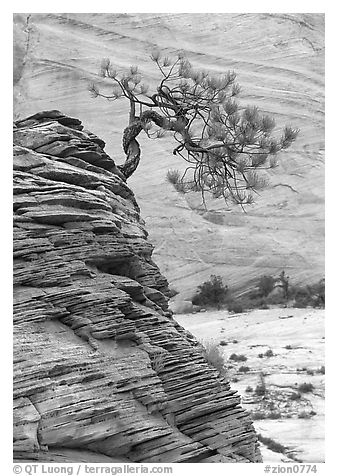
column 102, row 372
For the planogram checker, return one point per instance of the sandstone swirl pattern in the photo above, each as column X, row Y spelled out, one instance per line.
column 102, row 372
column 279, row 61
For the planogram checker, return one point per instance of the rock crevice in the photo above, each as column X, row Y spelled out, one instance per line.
column 101, row 369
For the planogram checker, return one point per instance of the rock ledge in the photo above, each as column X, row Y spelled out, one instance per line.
column 101, row 370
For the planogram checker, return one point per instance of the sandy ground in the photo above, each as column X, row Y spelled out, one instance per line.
column 296, row 338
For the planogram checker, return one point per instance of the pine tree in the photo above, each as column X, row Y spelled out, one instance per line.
column 224, row 145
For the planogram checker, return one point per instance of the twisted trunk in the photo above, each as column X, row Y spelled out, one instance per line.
column 131, row 146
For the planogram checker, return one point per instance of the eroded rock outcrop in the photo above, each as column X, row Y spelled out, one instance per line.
column 102, row 372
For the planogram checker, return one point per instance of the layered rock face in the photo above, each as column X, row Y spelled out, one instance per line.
column 102, row 372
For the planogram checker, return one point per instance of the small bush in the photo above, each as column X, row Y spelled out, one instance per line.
column 274, row 415
column 223, row 343
column 261, row 355
column 238, row 357
column 158, row 361
column 318, row 291
column 275, row 300
column 269, row 353
column 300, row 304
column 310, row 372
column 289, row 347
column 321, row 370
column 235, row 306
column 249, row 389
column 214, row 356
column 235, row 379
column 266, row 285
column 235, row 341
column 244, row 369
column 260, row 390
column 253, row 300
column 305, row 388
column 313, row 295
column 295, row 396
column 304, row 414
column 258, row 415
column 284, row 280
column 211, row 293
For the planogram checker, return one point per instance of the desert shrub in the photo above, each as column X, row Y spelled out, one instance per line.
column 289, row 347
column 273, row 415
column 313, row 296
column 235, row 379
column 269, row 353
column 244, row 369
column 284, row 280
column 295, row 396
column 214, row 356
column 305, row 387
column 275, row 299
column 223, row 343
column 158, row 361
column 211, row 293
column 259, row 303
column 251, row 300
column 318, row 292
column 258, row 415
column 300, row 304
column 321, row 370
column 249, row 389
column 302, row 297
column 304, row 415
column 310, row 372
column 266, row 285
column 235, row 341
column 260, row 389
column 272, row 444
column 235, row 306
column 238, row 357
column 260, row 355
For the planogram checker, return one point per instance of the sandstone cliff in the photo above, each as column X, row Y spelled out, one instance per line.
column 102, row 372
column 279, row 61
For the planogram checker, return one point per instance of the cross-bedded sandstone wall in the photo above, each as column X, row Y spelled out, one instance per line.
column 101, row 369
